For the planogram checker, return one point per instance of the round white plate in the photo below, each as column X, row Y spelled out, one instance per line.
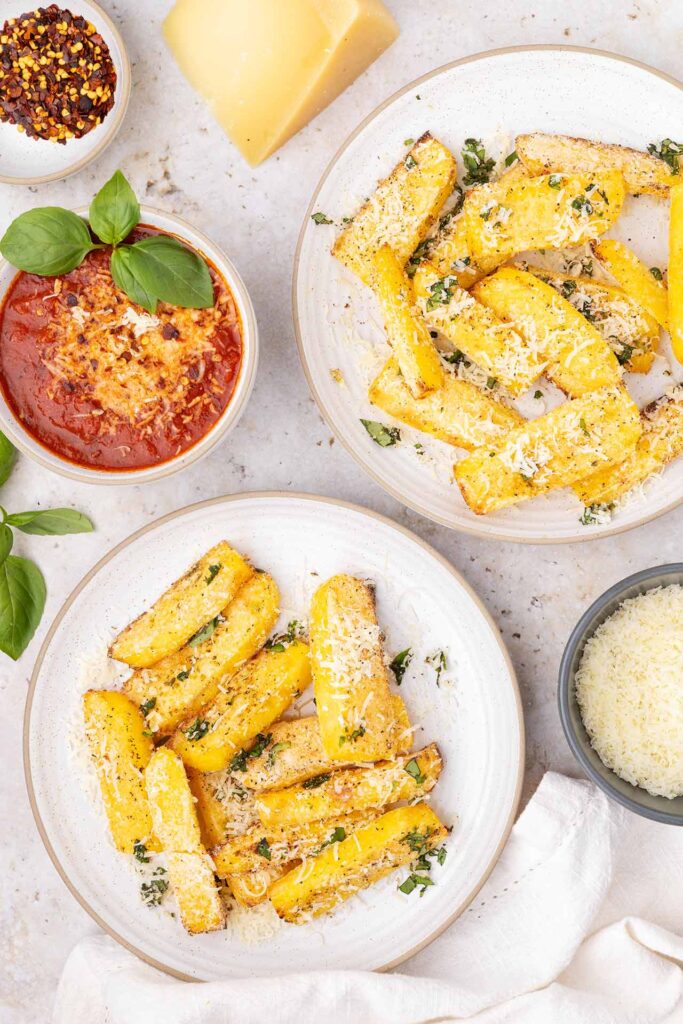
column 25, row 161
column 474, row 715
column 492, row 96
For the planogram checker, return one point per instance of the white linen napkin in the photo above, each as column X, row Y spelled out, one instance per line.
column 547, row 941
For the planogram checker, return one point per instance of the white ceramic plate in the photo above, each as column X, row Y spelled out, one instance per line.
column 474, row 715
column 22, row 439
column 25, row 161
column 492, row 96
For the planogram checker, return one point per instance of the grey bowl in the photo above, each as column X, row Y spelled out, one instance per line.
column 658, row 808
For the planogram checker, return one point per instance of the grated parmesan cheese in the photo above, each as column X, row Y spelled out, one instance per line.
column 629, row 686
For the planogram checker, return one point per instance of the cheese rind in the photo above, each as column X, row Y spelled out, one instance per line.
column 266, row 67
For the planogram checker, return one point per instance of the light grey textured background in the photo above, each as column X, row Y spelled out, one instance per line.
column 176, row 157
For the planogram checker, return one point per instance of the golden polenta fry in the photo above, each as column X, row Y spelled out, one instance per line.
column 350, row 677
column 628, row 329
column 475, row 330
column 552, row 451
column 294, row 752
column 120, row 750
column 401, row 210
column 190, row 868
column 578, row 357
column 407, row 332
column 634, row 277
column 339, row 871
column 189, row 603
column 549, row 212
column 660, row 442
column 251, row 700
column 268, row 847
column 352, row 789
column 179, row 685
column 675, row 310
column 459, row 413
column 643, row 173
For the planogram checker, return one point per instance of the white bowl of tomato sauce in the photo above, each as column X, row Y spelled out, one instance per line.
column 96, row 388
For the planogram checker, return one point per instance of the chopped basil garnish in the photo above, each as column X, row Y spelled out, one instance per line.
column 140, row 852
column 353, row 736
column 239, row 761
column 382, row 435
column 320, row 218
column 410, row 162
column 656, row 273
column 555, row 181
column 147, row 705
column 400, row 663
column 413, row 769
column 199, row 728
column 511, row 158
column 441, row 292
column 263, row 849
column 583, row 205
column 203, row 634
column 668, row 151
column 282, row 640
column 438, row 662
column 593, row 514
column 153, row 892
column 316, row 781
column 624, row 353
column 276, row 749
column 478, row 167
column 419, row 878
column 213, row 572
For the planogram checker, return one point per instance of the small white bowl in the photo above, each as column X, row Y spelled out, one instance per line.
column 25, row 161
column 26, row 443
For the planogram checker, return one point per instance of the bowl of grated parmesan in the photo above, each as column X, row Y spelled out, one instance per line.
column 621, row 692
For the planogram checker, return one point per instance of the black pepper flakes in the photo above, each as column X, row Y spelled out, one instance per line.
column 57, row 78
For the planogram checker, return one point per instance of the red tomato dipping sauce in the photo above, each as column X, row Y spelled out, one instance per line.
column 102, row 383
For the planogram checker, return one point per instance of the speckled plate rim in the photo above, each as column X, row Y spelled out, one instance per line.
column 565, row 687
column 226, row 422
column 112, row 123
column 425, row 511
column 229, row 499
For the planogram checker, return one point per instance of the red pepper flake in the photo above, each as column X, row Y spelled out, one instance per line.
column 57, row 78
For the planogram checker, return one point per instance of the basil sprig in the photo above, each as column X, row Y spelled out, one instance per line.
column 50, row 241
column 22, row 587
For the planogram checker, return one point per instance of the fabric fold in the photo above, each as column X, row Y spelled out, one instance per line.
column 522, row 953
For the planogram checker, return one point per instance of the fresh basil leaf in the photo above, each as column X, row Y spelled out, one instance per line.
column 125, row 279
column 46, row 241
column 6, row 541
column 8, row 456
column 51, row 521
column 172, row 272
column 22, row 600
column 114, row 211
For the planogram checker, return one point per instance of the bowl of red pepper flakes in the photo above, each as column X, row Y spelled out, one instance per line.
column 64, row 80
